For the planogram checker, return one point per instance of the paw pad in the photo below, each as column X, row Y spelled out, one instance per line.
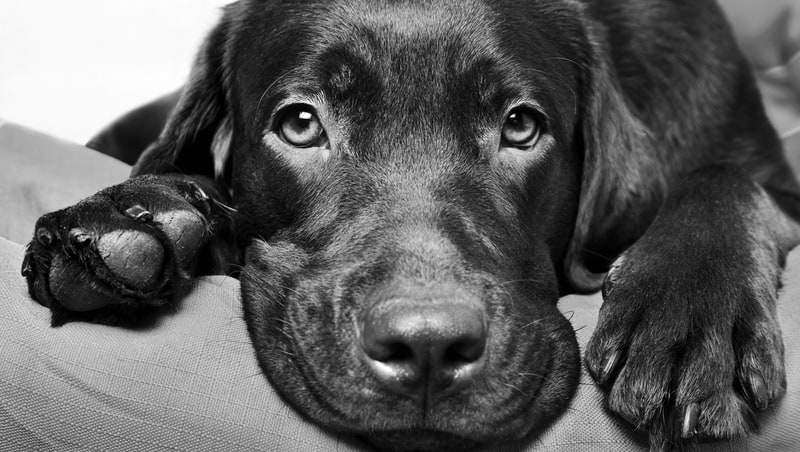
column 134, row 257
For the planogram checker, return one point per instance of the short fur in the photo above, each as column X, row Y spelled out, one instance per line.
column 656, row 171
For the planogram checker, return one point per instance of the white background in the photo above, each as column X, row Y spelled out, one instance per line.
column 68, row 67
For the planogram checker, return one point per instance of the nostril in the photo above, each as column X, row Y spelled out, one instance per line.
column 395, row 364
column 463, row 352
column 390, row 351
column 393, row 353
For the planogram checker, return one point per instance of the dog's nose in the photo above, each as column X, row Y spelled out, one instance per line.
column 423, row 347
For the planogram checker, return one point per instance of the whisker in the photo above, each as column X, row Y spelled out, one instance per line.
column 509, row 385
column 277, row 80
column 561, row 58
column 597, row 254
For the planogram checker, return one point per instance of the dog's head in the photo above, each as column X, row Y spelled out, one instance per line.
column 416, row 184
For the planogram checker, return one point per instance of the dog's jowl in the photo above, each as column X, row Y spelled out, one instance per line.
column 411, row 185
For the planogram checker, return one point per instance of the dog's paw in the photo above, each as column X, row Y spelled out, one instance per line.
column 125, row 248
column 688, row 352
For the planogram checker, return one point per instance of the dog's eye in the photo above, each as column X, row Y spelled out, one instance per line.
column 299, row 126
column 521, row 128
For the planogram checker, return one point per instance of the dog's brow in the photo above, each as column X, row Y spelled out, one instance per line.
column 342, row 79
column 277, row 85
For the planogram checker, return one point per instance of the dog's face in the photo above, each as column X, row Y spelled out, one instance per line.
column 413, row 171
column 407, row 178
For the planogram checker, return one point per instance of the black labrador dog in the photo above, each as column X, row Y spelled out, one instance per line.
column 409, row 186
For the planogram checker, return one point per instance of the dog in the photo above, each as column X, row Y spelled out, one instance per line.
column 407, row 188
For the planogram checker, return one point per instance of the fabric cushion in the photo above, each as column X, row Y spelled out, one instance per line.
column 192, row 382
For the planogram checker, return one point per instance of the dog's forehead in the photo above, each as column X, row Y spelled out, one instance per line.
column 407, row 17
column 396, row 25
column 431, row 44
column 407, row 43
column 400, row 42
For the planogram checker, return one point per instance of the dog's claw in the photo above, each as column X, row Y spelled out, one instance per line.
column 44, row 236
column 27, row 269
column 199, row 194
column 225, row 208
column 758, row 391
column 607, row 366
column 139, row 214
column 78, row 236
column 690, row 417
column 201, row 197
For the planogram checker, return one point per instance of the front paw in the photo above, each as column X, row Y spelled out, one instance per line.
column 120, row 251
column 688, row 352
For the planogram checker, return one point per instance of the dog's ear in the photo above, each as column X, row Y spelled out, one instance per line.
column 196, row 137
column 621, row 185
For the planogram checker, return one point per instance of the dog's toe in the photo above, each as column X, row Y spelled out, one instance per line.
column 760, row 353
column 706, row 401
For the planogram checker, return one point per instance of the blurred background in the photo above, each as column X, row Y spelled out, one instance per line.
column 70, row 67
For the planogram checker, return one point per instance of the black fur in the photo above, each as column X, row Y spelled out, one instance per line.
column 655, row 165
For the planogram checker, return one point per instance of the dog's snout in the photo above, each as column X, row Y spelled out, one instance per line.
column 423, row 347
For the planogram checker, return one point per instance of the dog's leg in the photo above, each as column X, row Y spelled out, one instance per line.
column 688, row 344
column 125, row 250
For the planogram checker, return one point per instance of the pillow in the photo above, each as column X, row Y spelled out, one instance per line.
column 769, row 34
column 40, row 174
column 191, row 382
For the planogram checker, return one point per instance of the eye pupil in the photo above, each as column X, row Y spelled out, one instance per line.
column 300, row 127
column 521, row 129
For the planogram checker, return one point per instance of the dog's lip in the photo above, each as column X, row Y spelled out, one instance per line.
column 437, row 437
column 517, row 421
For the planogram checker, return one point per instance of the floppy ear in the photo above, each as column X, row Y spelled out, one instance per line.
column 621, row 186
column 196, row 137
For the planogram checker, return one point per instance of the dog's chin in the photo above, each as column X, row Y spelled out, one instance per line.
column 420, row 440
column 347, row 399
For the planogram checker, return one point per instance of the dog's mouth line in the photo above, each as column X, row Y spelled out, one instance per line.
column 424, row 421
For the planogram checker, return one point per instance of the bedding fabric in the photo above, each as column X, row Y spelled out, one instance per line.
column 192, row 383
